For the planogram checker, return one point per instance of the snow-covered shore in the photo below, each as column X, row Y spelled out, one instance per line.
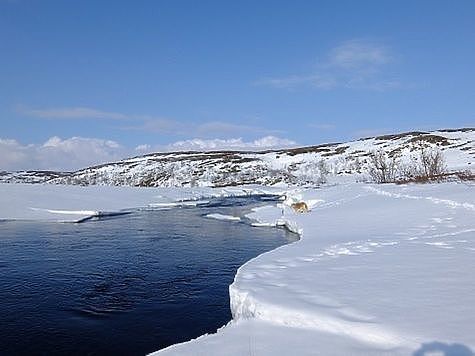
column 64, row 203
column 379, row 269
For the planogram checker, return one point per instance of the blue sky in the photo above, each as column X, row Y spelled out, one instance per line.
column 105, row 79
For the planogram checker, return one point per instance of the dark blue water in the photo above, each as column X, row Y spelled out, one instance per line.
column 126, row 285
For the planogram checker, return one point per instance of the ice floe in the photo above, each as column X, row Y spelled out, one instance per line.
column 223, row 217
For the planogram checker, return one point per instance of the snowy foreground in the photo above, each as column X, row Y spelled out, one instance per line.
column 379, row 269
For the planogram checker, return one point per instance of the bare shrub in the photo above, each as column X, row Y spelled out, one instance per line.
column 324, row 171
column 427, row 165
column 460, row 176
column 432, row 162
column 382, row 168
column 466, row 175
column 313, row 172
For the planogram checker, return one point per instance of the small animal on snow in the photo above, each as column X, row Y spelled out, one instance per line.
column 300, row 207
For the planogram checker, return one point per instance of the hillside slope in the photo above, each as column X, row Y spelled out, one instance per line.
column 307, row 165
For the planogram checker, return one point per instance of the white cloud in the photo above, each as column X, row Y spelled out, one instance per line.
column 267, row 142
column 354, row 64
column 58, row 154
column 359, row 53
column 143, row 148
column 273, row 142
column 12, row 153
column 72, row 113
column 80, row 152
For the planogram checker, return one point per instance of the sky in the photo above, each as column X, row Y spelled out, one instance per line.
column 84, row 82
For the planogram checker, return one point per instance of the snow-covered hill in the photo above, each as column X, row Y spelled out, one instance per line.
column 313, row 165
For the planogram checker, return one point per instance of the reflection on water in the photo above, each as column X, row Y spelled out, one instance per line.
column 128, row 284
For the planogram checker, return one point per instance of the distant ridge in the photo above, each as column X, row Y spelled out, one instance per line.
column 346, row 161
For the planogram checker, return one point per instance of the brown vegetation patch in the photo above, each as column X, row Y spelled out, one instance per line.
column 395, row 152
column 310, row 149
column 398, row 136
column 244, row 160
column 435, row 139
column 464, row 176
column 337, row 151
column 460, row 145
column 464, row 129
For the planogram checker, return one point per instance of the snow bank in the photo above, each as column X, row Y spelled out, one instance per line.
column 77, row 203
column 379, row 270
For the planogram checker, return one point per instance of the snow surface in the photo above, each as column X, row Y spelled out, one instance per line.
column 76, row 203
column 379, row 270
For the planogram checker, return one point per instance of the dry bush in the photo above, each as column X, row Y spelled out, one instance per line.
column 427, row 165
column 466, row 175
column 324, row 170
column 313, row 172
column 382, row 168
column 432, row 162
column 460, row 176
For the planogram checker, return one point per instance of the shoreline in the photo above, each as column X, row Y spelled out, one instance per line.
column 362, row 279
column 300, row 290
